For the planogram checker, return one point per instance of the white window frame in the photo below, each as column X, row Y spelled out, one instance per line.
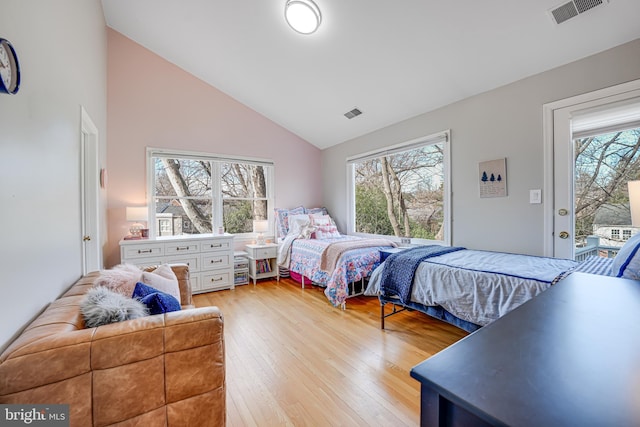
column 217, row 199
column 443, row 137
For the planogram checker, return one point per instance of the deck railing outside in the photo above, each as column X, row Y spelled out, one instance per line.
column 593, row 248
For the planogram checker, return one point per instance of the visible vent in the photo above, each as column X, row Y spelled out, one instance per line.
column 584, row 5
column 573, row 8
column 353, row 113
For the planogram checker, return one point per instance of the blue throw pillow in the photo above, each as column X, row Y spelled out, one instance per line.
column 627, row 261
column 157, row 302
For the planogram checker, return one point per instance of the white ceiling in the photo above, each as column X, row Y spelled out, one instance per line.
column 392, row 59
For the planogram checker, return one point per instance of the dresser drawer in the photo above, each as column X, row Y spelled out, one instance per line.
column 142, row 251
column 216, row 245
column 193, row 261
column 215, row 280
column 214, row 261
column 179, row 248
column 145, row 262
column 263, row 253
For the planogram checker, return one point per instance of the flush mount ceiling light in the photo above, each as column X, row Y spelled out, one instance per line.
column 302, row 15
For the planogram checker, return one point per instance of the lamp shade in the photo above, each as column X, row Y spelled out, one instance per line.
column 302, row 15
column 634, row 202
column 140, row 213
column 260, row 225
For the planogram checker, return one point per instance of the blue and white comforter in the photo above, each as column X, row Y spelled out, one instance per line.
column 480, row 286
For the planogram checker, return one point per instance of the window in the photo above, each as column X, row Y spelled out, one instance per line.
column 402, row 191
column 194, row 193
column 615, row 234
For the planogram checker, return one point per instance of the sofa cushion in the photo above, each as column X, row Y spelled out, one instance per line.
column 157, row 302
column 163, row 279
column 102, row 306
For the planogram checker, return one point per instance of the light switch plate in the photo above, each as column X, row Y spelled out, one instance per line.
column 535, row 196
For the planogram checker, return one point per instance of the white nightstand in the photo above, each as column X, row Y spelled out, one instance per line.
column 263, row 261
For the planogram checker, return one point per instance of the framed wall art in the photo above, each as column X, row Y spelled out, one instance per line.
column 493, row 178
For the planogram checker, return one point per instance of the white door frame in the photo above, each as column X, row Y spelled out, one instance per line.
column 89, row 195
column 563, row 108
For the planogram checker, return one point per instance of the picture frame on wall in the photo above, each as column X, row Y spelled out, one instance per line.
column 492, row 178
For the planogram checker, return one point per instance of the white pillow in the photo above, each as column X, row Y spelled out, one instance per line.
column 298, row 222
column 627, row 262
column 163, row 279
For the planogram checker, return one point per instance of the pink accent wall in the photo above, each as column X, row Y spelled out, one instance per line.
column 153, row 103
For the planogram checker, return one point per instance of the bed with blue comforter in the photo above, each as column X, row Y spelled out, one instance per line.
column 469, row 288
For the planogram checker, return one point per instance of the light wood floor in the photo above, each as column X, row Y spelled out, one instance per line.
column 293, row 359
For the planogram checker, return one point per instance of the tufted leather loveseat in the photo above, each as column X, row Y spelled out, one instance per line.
column 161, row 370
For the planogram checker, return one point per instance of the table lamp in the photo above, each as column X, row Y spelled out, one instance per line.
column 135, row 215
column 260, row 226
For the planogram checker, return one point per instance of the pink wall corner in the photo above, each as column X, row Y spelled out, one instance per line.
column 153, row 103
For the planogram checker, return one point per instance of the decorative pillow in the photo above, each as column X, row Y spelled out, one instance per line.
column 101, row 306
column 163, row 279
column 297, row 222
column 627, row 261
column 317, row 211
column 282, row 219
column 320, row 220
column 327, row 232
column 307, row 232
column 122, row 278
column 156, row 302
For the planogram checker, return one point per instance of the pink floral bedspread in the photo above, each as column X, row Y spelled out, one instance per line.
column 352, row 266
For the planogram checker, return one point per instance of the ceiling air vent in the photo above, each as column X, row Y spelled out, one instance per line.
column 573, row 8
column 353, row 113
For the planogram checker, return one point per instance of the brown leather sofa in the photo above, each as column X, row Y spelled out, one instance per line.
column 167, row 369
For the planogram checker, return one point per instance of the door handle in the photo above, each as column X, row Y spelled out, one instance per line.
column 86, row 238
column 564, row 235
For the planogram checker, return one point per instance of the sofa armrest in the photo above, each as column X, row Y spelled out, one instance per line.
column 184, row 282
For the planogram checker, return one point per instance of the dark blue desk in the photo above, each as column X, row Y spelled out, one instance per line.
column 568, row 357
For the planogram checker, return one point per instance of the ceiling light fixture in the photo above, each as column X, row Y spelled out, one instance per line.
column 302, row 15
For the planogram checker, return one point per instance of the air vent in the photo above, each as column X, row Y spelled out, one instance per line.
column 573, row 8
column 353, row 113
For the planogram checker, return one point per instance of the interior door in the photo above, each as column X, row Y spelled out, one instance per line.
column 600, row 102
column 90, row 191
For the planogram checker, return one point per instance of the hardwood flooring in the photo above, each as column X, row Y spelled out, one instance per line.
column 292, row 359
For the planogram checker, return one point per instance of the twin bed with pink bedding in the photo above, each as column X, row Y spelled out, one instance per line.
column 314, row 252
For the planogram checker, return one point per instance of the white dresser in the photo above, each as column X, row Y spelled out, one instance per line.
column 209, row 256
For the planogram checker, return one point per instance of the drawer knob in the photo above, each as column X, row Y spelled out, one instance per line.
column 144, row 251
column 216, row 280
column 213, row 261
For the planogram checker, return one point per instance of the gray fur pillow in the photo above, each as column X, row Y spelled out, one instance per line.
column 102, row 306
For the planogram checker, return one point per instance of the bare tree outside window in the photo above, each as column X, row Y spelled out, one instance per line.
column 188, row 193
column 603, row 165
column 401, row 194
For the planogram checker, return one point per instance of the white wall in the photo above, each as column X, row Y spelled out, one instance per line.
column 62, row 50
column 505, row 122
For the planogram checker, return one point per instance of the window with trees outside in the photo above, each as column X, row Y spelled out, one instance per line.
column 604, row 163
column 194, row 193
column 402, row 191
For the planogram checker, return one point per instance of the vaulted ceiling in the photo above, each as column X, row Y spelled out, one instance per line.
column 392, row 59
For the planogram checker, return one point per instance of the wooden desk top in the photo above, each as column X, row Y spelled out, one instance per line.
column 570, row 356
